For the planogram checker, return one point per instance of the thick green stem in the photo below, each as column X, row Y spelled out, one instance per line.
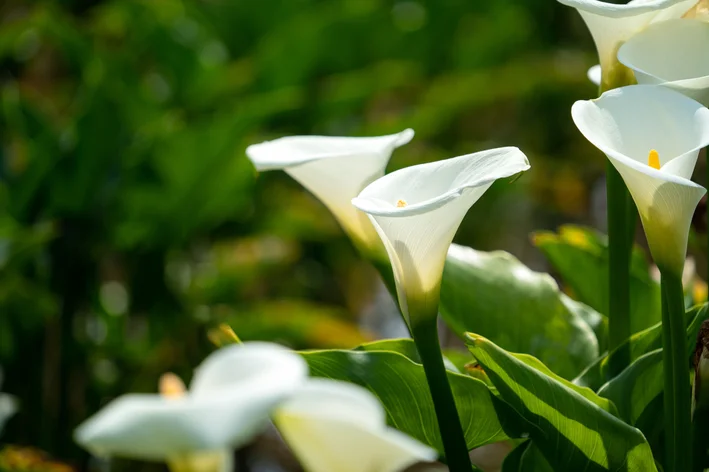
column 621, row 225
column 677, row 392
column 425, row 334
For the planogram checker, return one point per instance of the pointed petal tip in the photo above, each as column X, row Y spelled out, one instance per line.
column 404, row 137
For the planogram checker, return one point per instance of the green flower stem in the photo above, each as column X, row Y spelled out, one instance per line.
column 621, row 226
column 677, row 392
column 425, row 333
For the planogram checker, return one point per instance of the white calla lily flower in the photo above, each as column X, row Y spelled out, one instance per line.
column 417, row 211
column 652, row 135
column 336, row 426
column 232, row 394
column 335, row 170
column 673, row 54
column 612, row 24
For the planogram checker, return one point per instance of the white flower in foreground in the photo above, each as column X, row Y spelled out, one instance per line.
column 417, row 211
column 652, row 135
column 336, row 426
column 674, row 54
column 612, row 24
column 334, row 169
column 230, row 399
column 594, row 74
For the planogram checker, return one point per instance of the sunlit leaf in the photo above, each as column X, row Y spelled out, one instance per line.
column 496, row 295
column 570, row 431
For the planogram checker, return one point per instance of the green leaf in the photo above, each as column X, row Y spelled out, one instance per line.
column 496, row 295
column 640, row 344
column 585, row 392
column 580, row 256
column 638, row 389
column 525, row 458
column 634, row 388
column 404, row 346
column 400, row 384
column 569, row 430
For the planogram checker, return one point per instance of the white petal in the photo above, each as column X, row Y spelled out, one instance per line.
column 266, row 365
column 594, row 74
column 612, row 24
column 672, row 53
column 233, row 394
column 626, row 124
column 334, row 169
column 437, row 196
column 335, row 426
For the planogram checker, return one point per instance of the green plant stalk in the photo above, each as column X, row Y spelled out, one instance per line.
column 677, row 391
column 621, row 225
column 425, row 334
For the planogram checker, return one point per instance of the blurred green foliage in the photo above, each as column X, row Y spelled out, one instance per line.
column 131, row 221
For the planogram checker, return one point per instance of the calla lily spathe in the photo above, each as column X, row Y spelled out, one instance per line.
column 334, row 169
column 336, row 426
column 652, row 135
column 612, row 24
column 673, row 54
column 417, row 211
column 231, row 397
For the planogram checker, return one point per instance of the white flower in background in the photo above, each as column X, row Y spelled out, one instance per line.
column 417, row 211
column 674, row 54
column 612, row 24
column 335, row 426
column 334, row 169
column 8, row 406
column 594, row 74
column 230, row 399
column 652, row 135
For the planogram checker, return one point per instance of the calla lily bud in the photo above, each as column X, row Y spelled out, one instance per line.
column 652, row 135
column 417, row 211
column 334, row 169
column 337, row 426
column 673, row 54
column 612, row 24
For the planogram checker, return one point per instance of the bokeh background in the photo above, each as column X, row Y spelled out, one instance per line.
column 132, row 223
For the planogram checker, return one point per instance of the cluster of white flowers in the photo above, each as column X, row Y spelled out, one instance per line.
column 233, row 396
column 653, row 132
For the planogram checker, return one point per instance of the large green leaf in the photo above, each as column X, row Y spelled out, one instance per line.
column 400, row 384
column 569, row 430
column 523, row 311
column 580, row 256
